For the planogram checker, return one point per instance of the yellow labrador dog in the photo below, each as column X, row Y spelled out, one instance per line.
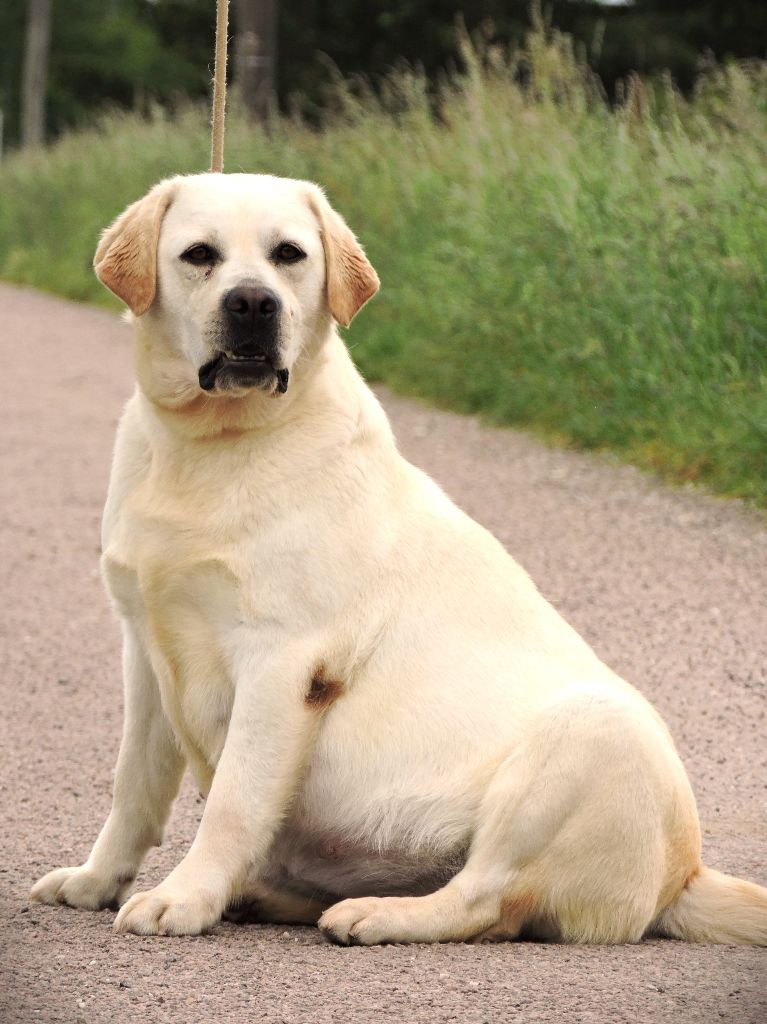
column 398, row 737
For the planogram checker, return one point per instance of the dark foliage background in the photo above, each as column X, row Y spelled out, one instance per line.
column 132, row 53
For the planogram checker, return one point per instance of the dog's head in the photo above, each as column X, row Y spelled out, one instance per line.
column 235, row 276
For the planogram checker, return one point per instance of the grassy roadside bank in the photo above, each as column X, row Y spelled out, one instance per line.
column 596, row 275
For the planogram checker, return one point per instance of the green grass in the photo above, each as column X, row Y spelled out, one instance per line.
column 596, row 275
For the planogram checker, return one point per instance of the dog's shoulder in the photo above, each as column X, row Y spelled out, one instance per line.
column 131, row 460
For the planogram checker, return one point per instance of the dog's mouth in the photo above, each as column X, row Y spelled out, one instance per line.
column 229, row 369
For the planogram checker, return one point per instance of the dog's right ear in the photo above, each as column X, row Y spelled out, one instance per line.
column 126, row 257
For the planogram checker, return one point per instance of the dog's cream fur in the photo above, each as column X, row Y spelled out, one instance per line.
column 381, row 708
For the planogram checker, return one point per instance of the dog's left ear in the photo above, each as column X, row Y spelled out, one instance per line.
column 351, row 280
column 126, row 257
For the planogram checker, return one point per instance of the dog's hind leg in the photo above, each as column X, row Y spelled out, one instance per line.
column 586, row 828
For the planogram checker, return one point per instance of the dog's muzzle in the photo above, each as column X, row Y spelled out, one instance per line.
column 249, row 354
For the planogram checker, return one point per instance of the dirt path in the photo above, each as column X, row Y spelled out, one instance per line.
column 668, row 586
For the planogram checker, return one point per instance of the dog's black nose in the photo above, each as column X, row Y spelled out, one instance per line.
column 252, row 306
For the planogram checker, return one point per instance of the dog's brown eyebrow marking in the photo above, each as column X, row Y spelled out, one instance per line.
column 322, row 691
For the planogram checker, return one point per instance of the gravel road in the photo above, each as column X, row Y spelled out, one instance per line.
column 667, row 585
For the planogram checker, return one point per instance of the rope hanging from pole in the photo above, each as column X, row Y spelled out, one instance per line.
column 219, row 88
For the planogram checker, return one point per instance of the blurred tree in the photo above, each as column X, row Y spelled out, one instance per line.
column 34, row 81
column 255, row 23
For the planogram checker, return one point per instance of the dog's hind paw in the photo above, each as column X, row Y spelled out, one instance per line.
column 371, row 921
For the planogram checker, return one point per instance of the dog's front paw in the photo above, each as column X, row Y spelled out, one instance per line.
column 164, row 911
column 79, row 887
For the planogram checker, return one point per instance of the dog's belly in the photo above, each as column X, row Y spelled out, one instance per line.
column 328, row 864
column 369, row 822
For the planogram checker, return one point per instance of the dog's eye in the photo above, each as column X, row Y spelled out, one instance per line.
column 200, row 254
column 286, row 252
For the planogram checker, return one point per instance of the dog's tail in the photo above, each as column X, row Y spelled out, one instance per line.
column 717, row 908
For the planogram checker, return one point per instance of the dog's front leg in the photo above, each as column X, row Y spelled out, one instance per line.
column 147, row 778
column 274, row 720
